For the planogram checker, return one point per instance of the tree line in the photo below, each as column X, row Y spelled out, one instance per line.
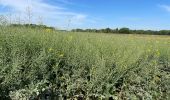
column 32, row 26
column 124, row 31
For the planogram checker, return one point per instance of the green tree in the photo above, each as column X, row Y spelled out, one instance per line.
column 124, row 30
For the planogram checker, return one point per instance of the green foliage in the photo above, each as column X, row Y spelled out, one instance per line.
column 124, row 31
column 32, row 26
column 35, row 63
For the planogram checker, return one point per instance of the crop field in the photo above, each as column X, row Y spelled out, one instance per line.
column 44, row 63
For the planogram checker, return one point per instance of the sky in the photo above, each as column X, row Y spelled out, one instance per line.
column 69, row 14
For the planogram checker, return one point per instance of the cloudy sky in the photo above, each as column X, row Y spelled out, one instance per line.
column 135, row 14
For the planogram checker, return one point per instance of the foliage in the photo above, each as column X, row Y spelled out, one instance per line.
column 32, row 26
column 124, row 31
column 37, row 63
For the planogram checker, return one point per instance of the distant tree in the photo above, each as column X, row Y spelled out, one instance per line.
column 108, row 30
column 164, row 32
column 116, row 30
column 124, row 30
column 79, row 30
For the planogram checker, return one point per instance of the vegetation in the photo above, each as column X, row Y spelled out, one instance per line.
column 32, row 26
column 125, row 31
column 42, row 63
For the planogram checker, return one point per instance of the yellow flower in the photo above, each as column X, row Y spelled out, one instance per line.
column 157, row 53
column 48, row 30
column 61, row 55
column 50, row 49
column 149, row 50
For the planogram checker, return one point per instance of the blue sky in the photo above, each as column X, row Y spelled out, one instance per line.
column 135, row 14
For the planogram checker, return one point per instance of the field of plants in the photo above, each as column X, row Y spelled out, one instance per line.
column 44, row 64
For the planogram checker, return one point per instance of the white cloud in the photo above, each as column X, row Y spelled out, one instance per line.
column 50, row 13
column 65, row 2
column 166, row 7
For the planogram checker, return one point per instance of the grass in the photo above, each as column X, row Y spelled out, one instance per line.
column 83, row 65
